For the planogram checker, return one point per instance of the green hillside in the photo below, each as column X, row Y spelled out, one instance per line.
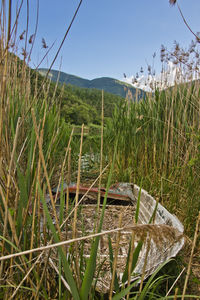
column 77, row 104
column 83, row 105
column 107, row 84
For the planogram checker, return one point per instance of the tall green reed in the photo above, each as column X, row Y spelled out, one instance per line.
column 32, row 160
column 157, row 142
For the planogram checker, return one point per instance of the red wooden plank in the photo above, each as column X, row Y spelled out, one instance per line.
column 83, row 190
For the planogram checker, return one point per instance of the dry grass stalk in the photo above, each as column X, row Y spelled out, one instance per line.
column 7, row 190
column 43, row 273
column 62, row 278
column 191, row 256
column 12, row 224
column 175, row 294
column 38, row 198
column 165, row 232
column 33, row 222
column 175, row 282
column 67, row 194
column 68, row 178
column 115, row 258
column 148, row 241
column 64, row 38
column 26, row 276
column 75, row 211
column 101, row 151
column 45, row 171
column 130, row 260
column 64, row 162
column 39, row 172
column 37, row 203
column 78, row 184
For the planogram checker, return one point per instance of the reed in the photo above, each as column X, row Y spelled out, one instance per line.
column 158, row 141
column 37, row 260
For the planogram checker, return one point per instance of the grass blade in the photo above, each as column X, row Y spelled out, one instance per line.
column 134, row 261
column 125, row 291
column 138, row 204
column 116, row 283
column 149, row 282
column 67, row 270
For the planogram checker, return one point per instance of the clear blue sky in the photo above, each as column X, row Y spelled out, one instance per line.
column 108, row 37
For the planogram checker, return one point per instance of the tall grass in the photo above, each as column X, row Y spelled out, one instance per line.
column 35, row 146
column 159, row 142
column 33, row 158
column 22, row 170
column 31, row 153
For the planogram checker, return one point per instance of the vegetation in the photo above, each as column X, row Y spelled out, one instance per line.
column 156, row 140
column 84, row 105
column 107, row 84
column 77, row 105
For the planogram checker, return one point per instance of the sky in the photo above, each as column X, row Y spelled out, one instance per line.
column 108, row 37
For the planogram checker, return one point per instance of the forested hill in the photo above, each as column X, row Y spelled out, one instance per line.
column 83, row 105
column 107, row 84
column 78, row 105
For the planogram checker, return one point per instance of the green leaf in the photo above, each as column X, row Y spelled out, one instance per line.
column 67, row 270
column 138, row 204
column 125, row 291
column 10, row 243
column 23, row 198
column 179, row 296
column 134, row 261
column 154, row 213
column 62, row 203
column 116, row 284
column 139, row 245
column 149, row 282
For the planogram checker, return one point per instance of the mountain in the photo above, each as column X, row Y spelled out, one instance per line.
column 107, row 84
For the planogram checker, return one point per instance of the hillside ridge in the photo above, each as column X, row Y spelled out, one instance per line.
column 108, row 84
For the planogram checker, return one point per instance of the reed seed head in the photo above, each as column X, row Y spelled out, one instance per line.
column 44, row 45
column 172, row 2
column 21, row 37
column 31, row 39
